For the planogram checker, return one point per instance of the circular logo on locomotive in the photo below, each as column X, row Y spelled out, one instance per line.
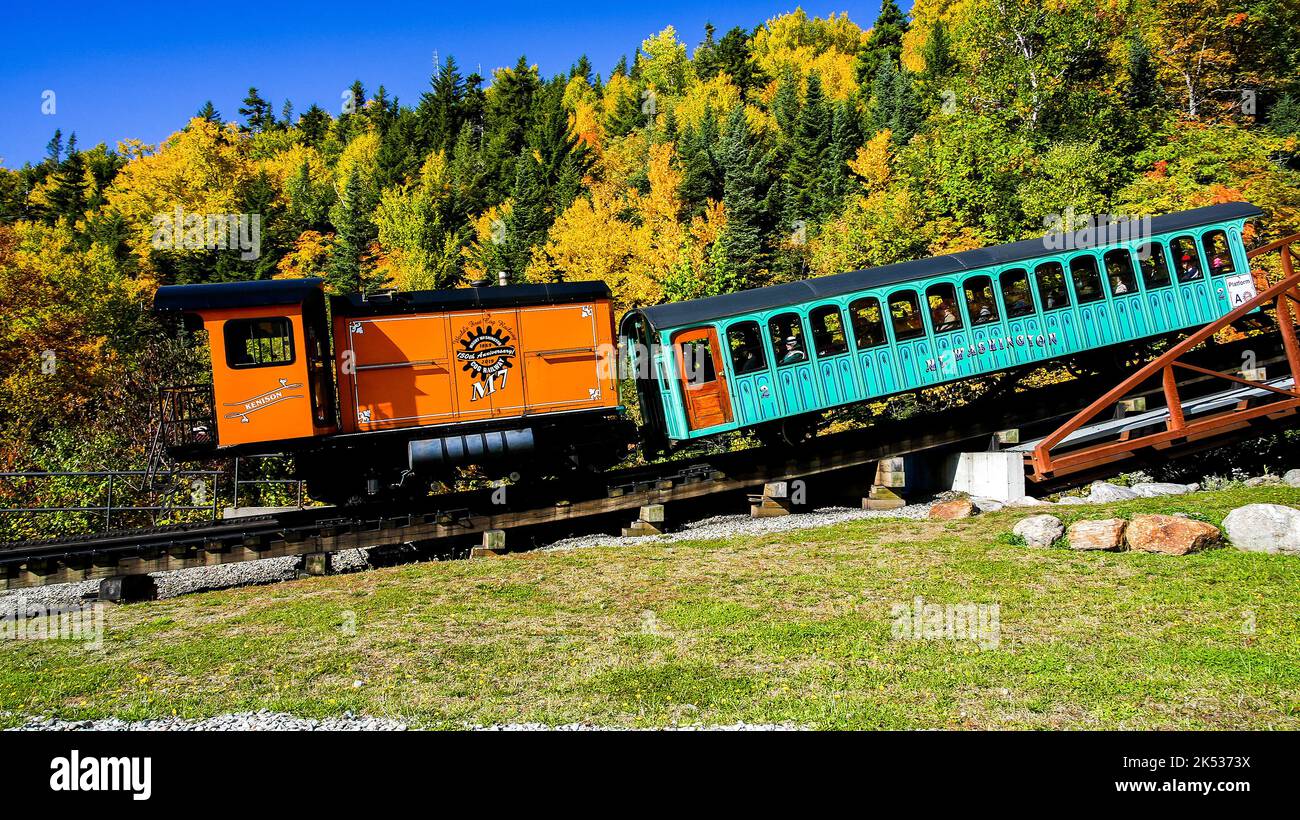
column 486, row 351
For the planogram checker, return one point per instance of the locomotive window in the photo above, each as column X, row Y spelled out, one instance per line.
column 1052, row 289
column 868, row 323
column 945, row 315
column 746, row 344
column 787, row 339
column 697, row 361
column 1155, row 268
column 905, row 312
column 828, row 331
column 1186, row 260
column 1218, row 252
column 1015, row 293
column 258, row 342
column 1087, row 279
column 981, row 303
column 1119, row 272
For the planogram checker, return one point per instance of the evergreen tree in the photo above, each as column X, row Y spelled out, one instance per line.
column 894, row 104
column 528, row 220
column 468, row 174
column 354, row 231
column 1284, row 118
column 54, row 148
column 785, row 105
column 701, row 172
column 68, row 197
column 807, row 191
column 625, row 118
column 314, row 125
column 257, row 112
column 741, row 258
column 706, row 60
column 1143, row 87
column 734, row 57
column 507, row 119
column 937, row 53
column 286, row 114
column 846, row 136
column 884, row 44
column 209, row 113
column 440, row 112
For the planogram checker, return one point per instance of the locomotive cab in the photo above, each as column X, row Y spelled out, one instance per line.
column 272, row 374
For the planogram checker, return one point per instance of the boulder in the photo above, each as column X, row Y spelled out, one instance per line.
column 1292, row 478
column 1264, row 528
column 1071, row 499
column 1262, row 481
column 987, row 505
column 1153, row 489
column 1170, row 534
column 1039, row 530
column 1105, row 534
column 957, row 508
column 1102, row 493
column 1027, row 501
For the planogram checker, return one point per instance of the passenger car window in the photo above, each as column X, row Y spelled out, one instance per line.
column 1015, row 293
column 1154, row 265
column 1186, row 261
column 1087, row 279
column 788, row 346
column 1218, row 253
column 1119, row 272
column 746, row 345
column 981, row 303
column 1052, row 289
column 944, row 313
column 868, row 323
column 828, row 331
column 697, row 359
column 258, row 342
column 905, row 312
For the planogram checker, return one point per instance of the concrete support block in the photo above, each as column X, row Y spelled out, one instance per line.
column 494, row 539
column 999, row 476
column 882, row 498
column 652, row 514
column 891, row 472
column 316, row 564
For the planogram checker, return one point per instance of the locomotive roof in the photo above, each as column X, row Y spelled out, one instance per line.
column 235, row 294
column 677, row 314
column 495, row 296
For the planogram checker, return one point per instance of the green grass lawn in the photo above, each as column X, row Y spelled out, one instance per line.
column 793, row 627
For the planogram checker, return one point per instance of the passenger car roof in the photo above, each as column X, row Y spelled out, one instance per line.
column 696, row 311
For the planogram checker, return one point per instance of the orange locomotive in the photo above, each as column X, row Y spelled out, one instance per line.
column 415, row 385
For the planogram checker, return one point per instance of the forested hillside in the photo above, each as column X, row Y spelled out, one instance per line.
column 703, row 163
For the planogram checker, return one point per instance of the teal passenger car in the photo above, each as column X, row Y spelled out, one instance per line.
column 772, row 358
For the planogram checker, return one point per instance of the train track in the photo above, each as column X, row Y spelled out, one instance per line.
column 448, row 525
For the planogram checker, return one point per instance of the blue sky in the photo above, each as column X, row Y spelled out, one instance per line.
column 140, row 70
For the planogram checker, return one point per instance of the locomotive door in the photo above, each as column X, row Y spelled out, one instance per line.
column 704, row 387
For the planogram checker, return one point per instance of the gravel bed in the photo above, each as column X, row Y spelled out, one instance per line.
column 267, row 721
column 730, row 526
column 261, row 721
column 182, row 581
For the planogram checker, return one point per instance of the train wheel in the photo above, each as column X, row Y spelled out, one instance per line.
column 789, row 432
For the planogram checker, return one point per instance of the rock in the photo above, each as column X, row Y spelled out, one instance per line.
column 1262, row 481
column 1269, row 528
column 1105, row 534
column 1027, row 501
column 1153, row 489
column 1292, row 478
column 1039, row 530
column 1102, row 493
column 986, row 505
column 1071, row 499
column 957, row 508
column 1170, row 534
